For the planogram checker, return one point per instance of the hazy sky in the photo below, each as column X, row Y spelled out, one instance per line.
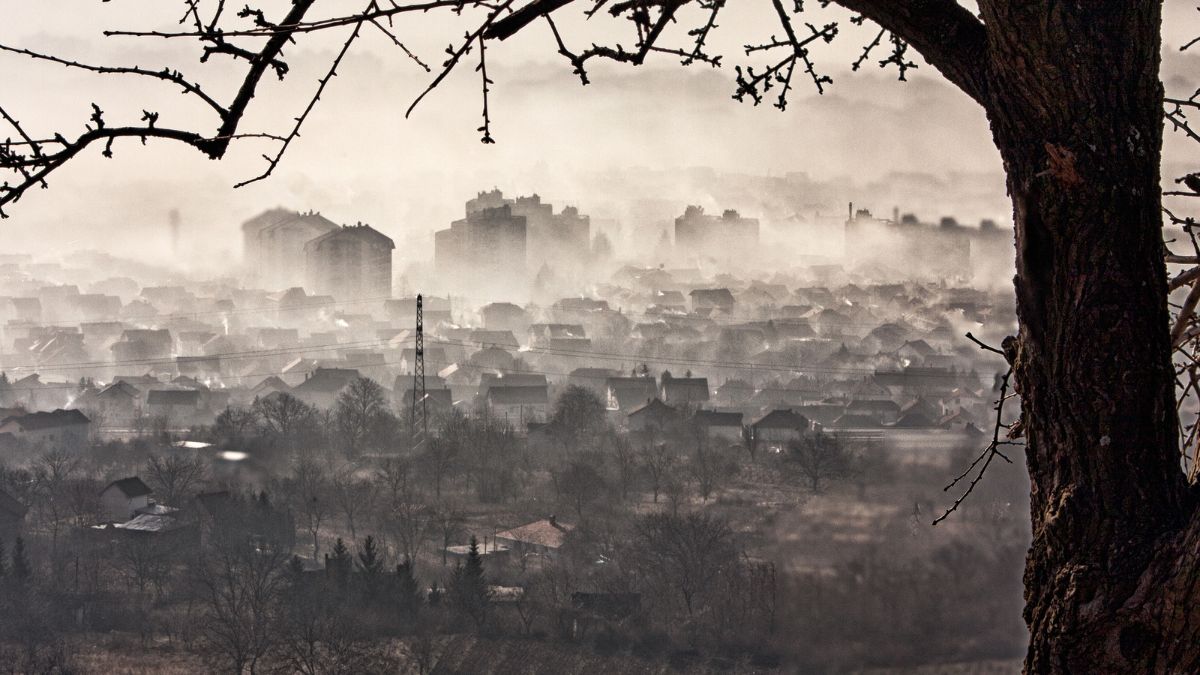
column 360, row 159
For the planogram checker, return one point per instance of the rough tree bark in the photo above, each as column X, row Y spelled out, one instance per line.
column 1075, row 105
column 1076, row 112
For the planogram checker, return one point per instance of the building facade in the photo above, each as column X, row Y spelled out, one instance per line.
column 351, row 262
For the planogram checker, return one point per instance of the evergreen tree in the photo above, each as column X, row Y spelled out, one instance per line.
column 20, row 561
column 370, row 570
column 408, row 593
column 295, row 569
column 369, row 561
column 468, row 587
column 339, row 563
column 3, row 562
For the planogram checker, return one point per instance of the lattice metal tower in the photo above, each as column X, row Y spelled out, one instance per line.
column 418, row 415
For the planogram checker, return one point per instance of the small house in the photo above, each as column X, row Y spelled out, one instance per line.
column 59, row 429
column 122, row 499
column 542, row 537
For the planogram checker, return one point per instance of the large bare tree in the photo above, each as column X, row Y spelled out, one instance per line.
column 1072, row 92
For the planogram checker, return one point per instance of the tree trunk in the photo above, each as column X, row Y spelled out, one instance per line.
column 1075, row 105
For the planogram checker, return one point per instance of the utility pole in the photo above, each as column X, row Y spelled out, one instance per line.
column 418, row 392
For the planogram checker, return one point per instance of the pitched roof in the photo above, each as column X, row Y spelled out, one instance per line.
column 632, row 384
column 913, row 420
column 150, row 523
column 120, row 388
column 654, row 405
column 546, row 533
column 495, row 338
column 782, row 419
column 506, row 395
column 48, row 420
column 713, row 418
column 489, row 380
column 855, row 422
column 691, row 388
column 919, row 346
column 174, row 397
column 268, row 218
column 716, row 296
column 311, row 219
column 586, row 373
column 131, row 487
column 873, row 406
column 272, row 383
column 331, row 380
column 359, row 232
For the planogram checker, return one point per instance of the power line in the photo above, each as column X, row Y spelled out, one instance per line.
column 173, row 360
column 219, row 312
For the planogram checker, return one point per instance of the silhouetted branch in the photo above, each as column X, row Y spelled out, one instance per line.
column 984, row 459
column 946, row 34
column 486, row 129
column 166, row 74
column 396, row 41
column 867, row 50
column 273, row 162
column 456, row 54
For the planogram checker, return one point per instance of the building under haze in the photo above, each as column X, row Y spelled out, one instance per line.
column 500, row 238
column 561, row 239
column 489, row 245
column 351, row 262
column 885, row 247
column 700, row 237
column 274, row 246
column 251, row 250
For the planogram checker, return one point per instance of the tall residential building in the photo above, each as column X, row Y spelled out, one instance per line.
column 562, row 240
column 251, row 229
column 488, row 246
column 273, row 246
column 884, row 247
column 722, row 239
column 501, row 239
column 350, row 262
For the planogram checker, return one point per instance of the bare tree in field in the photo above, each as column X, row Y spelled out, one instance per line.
column 819, row 459
column 410, row 520
column 359, row 415
column 175, row 478
column 307, row 494
column 449, row 522
column 1076, row 109
column 581, row 485
column 53, row 474
column 284, row 417
column 625, row 457
column 577, row 419
column 394, row 476
column 239, row 586
column 657, row 460
column 707, row 466
column 144, row 562
column 683, row 555
column 235, row 425
column 354, row 495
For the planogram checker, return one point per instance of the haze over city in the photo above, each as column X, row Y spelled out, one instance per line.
column 849, row 337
